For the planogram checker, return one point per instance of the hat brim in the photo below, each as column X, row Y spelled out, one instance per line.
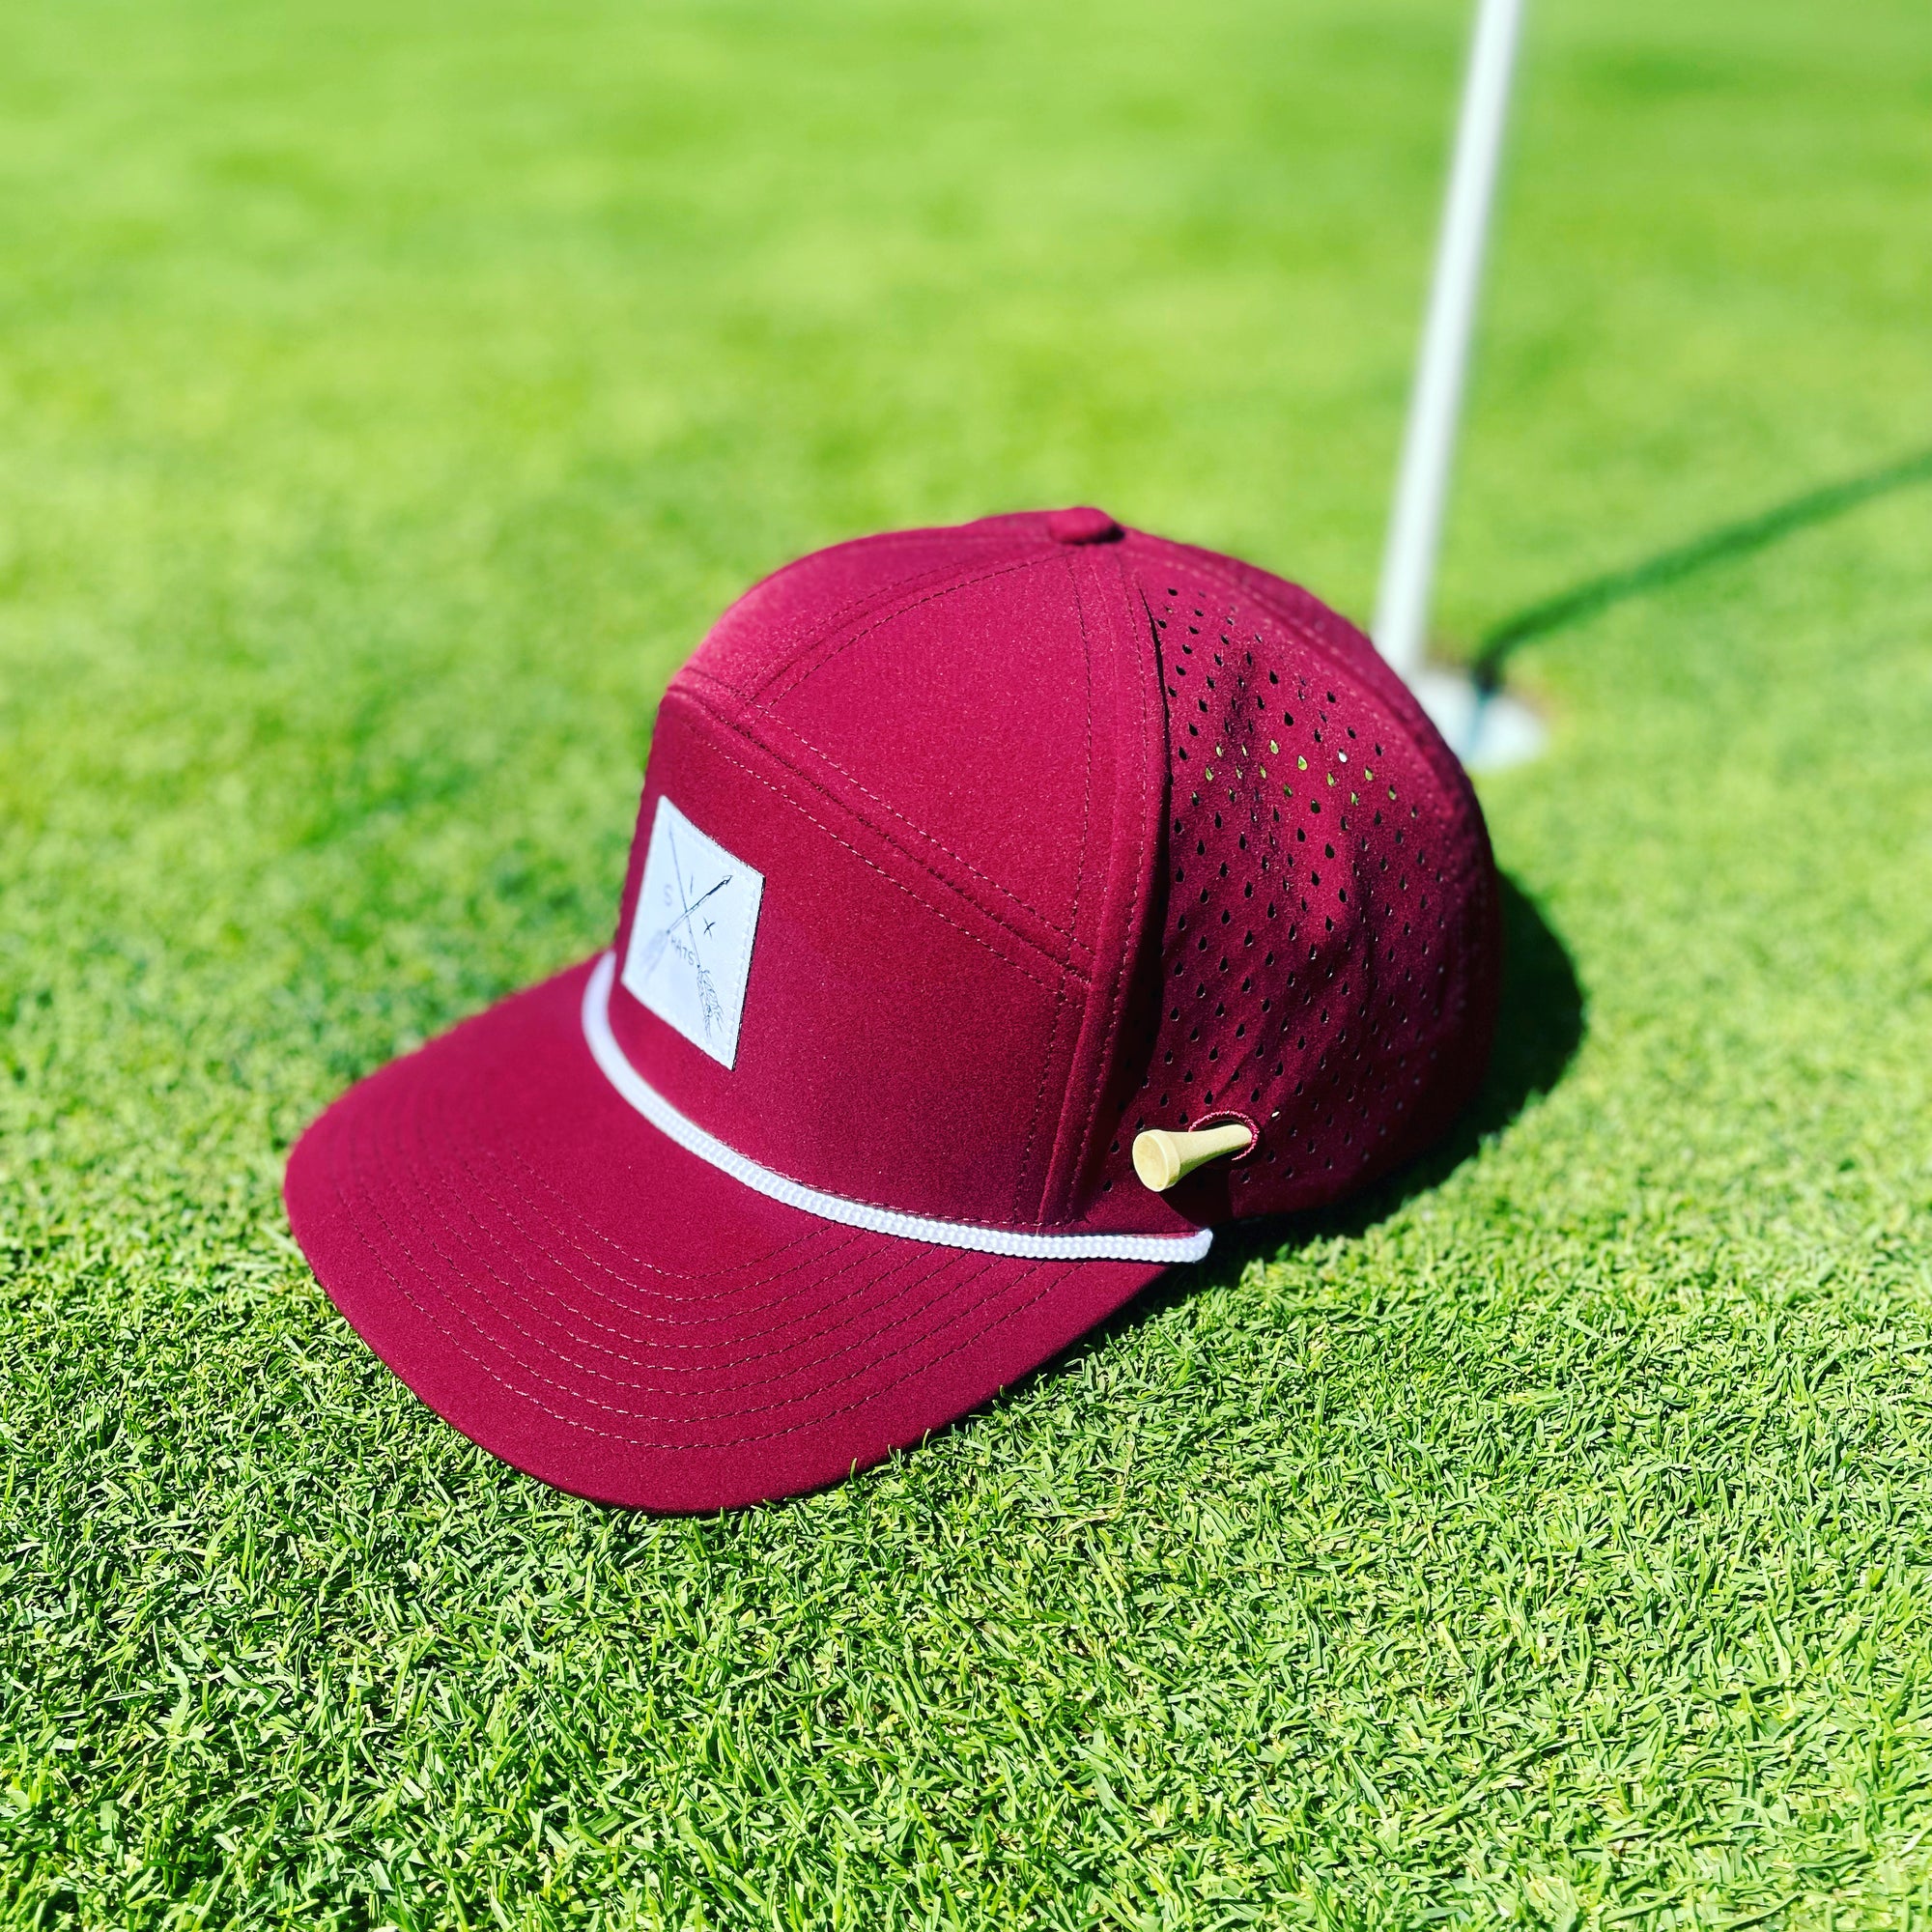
column 614, row 1316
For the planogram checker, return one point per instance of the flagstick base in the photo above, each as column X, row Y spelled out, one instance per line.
column 1488, row 730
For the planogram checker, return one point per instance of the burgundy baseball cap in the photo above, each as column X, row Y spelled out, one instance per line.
column 966, row 856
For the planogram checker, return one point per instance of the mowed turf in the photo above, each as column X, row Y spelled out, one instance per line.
column 390, row 395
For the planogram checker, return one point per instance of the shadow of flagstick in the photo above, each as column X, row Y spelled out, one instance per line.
column 1670, row 567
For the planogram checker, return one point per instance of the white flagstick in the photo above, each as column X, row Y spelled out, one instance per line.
column 1429, row 446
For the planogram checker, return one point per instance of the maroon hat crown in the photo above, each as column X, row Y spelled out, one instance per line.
column 965, row 856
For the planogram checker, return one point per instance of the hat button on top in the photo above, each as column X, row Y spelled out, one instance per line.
column 1083, row 525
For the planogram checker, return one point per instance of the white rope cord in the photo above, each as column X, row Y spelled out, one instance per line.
column 693, row 1139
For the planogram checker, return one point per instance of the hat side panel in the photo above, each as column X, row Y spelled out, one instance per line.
column 1328, row 964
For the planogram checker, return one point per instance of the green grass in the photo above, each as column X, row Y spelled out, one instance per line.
column 388, row 397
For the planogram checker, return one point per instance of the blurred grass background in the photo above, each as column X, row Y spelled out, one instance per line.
column 388, row 398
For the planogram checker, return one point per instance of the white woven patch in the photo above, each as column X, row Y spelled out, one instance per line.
column 691, row 943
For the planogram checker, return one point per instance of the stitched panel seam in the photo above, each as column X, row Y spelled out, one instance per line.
column 918, row 830
column 1060, row 966
column 852, row 609
column 895, row 611
column 1073, row 922
column 1123, row 967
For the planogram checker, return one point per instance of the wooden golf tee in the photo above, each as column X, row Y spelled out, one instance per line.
column 1161, row 1159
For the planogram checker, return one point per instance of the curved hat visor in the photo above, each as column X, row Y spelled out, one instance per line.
column 603, row 1308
